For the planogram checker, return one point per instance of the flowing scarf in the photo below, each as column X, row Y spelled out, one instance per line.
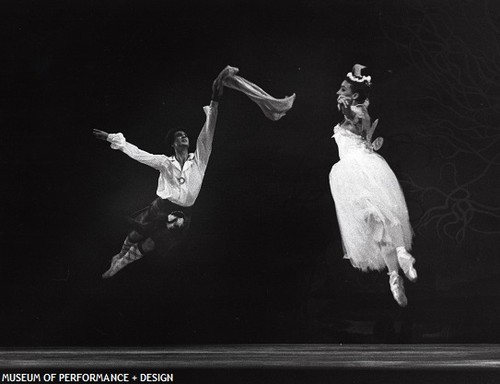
column 273, row 108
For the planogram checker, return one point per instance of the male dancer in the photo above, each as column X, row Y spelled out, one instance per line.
column 165, row 222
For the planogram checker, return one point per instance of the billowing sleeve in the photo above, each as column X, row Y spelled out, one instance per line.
column 118, row 142
column 206, row 136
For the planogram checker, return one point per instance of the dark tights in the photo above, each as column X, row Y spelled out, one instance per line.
column 146, row 245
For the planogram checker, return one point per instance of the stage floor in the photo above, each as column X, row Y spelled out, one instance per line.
column 293, row 356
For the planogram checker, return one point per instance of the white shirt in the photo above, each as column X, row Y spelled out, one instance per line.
column 180, row 186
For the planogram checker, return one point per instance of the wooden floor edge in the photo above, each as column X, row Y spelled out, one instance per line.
column 319, row 356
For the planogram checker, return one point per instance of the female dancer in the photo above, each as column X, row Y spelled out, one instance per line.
column 371, row 209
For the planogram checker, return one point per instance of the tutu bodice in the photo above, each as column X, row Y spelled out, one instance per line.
column 348, row 142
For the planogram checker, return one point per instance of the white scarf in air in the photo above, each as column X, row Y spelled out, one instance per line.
column 273, row 108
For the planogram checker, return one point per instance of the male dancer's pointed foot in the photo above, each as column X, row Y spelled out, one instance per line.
column 119, row 262
column 397, row 289
column 406, row 262
column 113, row 269
column 109, row 273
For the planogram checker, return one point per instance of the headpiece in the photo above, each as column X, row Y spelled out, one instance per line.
column 356, row 75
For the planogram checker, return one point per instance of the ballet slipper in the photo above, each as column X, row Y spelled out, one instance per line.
column 397, row 289
column 406, row 262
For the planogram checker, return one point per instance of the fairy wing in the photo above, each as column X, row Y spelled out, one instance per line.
column 369, row 134
column 377, row 143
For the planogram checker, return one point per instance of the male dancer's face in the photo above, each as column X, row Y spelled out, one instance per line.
column 181, row 139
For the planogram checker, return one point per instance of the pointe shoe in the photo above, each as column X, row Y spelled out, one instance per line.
column 406, row 262
column 397, row 289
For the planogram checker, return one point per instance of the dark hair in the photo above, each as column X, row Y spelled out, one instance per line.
column 362, row 89
column 170, row 137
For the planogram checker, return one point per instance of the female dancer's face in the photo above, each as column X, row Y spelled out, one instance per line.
column 345, row 90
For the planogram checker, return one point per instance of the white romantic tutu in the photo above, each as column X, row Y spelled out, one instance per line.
column 371, row 208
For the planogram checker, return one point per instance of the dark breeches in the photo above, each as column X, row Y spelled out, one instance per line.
column 150, row 226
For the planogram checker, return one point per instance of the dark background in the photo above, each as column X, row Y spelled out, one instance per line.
column 264, row 261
